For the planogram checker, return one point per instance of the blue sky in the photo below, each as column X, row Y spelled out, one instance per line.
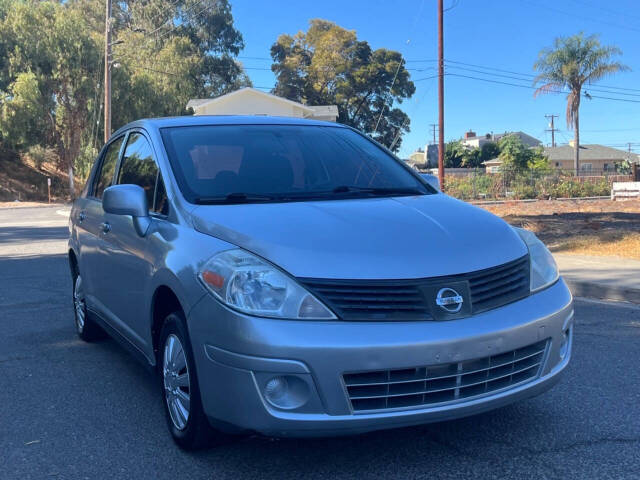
column 503, row 35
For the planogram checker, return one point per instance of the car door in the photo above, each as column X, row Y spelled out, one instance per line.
column 128, row 258
column 89, row 220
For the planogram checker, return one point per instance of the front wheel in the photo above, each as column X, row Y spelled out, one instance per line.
column 186, row 419
column 86, row 328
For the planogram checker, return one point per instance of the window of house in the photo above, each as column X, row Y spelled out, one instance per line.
column 586, row 167
column 104, row 176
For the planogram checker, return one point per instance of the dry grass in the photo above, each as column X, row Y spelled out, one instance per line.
column 626, row 246
column 599, row 227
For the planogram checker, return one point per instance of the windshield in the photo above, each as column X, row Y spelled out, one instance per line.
column 257, row 163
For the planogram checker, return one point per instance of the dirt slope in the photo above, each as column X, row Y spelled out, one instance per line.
column 24, row 182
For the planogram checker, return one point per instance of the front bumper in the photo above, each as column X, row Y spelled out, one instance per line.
column 236, row 355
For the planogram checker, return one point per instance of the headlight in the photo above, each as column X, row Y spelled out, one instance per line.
column 544, row 270
column 249, row 284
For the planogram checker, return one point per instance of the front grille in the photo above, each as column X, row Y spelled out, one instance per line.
column 405, row 300
column 498, row 286
column 441, row 384
column 372, row 300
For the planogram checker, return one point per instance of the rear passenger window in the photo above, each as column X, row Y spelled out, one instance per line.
column 104, row 177
column 139, row 168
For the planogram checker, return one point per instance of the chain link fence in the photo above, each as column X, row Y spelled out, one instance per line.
column 520, row 184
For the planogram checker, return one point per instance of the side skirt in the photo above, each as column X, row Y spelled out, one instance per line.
column 123, row 341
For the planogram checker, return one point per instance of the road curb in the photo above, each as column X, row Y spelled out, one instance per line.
column 603, row 292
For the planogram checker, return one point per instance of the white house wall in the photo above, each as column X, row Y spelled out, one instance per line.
column 250, row 104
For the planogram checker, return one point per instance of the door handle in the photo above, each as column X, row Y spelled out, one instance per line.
column 81, row 217
column 106, row 227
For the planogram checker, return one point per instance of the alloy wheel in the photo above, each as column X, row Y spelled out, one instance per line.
column 79, row 304
column 176, row 381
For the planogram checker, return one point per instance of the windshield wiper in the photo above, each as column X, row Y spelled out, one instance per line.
column 378, row 190
column 236, row 197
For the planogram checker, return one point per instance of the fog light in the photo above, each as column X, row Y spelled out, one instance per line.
column 286, row 392
column 275, row 389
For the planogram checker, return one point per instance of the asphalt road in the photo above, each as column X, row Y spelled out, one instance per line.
column 75, row 410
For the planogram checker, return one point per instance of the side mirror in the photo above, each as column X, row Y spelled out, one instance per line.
column 128, row 200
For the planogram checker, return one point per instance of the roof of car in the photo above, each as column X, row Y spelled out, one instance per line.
column 195, row 120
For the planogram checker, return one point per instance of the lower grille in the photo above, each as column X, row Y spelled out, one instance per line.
column 437, row 384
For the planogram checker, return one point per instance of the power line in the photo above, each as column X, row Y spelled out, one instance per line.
column 164, row 34
column 146, row 34
column 425, row 78
column 454, row 64
column 528, row 75
column 523, row 79
column 575, row 15
column 454, row 4
column 534, row 88
column 608, row 10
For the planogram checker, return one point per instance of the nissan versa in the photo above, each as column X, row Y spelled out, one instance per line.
column 294, row 278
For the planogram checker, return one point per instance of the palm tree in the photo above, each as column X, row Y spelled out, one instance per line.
column 571, row 63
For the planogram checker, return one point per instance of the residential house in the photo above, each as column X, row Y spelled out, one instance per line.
column 472, row 140
column 493, row 165
column 249, row 101
column 417, row 158
column 424, row 157
column 593, row 158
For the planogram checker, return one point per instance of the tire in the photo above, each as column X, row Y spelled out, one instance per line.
column 86, row 328
column 182, row 402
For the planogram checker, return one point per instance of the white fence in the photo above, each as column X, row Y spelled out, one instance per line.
column 622, row 190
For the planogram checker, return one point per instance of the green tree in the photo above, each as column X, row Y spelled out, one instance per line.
column 472, row 158
column 52, row 54
column 454, row 154
column 515, row 155
column 489, row 151
column 23, row 112
column 163, row 65
column 539, row 161
column 52, row 68
column 571, row 63
column 328, row 65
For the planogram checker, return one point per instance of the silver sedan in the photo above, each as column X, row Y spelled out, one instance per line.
column 294, row 278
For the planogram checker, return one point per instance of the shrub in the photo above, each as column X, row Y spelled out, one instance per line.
column 526, row 184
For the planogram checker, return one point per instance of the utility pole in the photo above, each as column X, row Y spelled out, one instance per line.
column 552, row 129
column 441, row 94
column 434, row 126
column 107, row 72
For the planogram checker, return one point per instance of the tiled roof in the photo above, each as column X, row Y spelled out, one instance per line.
column 587, row 152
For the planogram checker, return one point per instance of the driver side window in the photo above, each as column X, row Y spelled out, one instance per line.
column 139, row 168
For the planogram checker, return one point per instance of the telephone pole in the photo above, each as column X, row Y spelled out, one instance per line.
column 107, row 72
column 552, row 129
column 441, row 94
column 433, row 126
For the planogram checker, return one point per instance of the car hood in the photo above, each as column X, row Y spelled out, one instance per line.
column 373, row 238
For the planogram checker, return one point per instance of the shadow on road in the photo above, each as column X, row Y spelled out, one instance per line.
column 27, row 234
